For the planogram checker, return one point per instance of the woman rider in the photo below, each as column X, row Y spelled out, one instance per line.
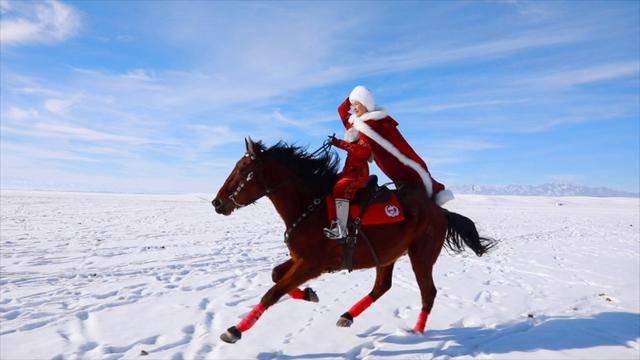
column 354, row 176
column 391, row 152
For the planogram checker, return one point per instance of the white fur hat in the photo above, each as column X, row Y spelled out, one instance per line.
column 363, row 96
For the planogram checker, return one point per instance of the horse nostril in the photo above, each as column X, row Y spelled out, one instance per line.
column 216, row 203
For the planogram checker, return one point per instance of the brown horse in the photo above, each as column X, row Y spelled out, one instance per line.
column 296, row 182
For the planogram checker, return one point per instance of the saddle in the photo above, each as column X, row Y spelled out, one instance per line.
column 372, row 205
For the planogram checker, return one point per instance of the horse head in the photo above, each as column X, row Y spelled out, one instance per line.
column 245, row 184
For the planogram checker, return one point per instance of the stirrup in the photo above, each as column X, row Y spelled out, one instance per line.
column 335, row 232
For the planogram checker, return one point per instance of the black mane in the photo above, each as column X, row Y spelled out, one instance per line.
column 314, row 170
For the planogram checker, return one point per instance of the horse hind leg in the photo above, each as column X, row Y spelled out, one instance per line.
column 423, row 256
column 384, row 276
column 307, row 294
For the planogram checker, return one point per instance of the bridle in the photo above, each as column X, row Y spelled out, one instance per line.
column 325, row 145
column 309, row 209
column 250, row 176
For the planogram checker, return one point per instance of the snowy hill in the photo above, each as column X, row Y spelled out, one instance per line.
column 108, row 276
column 550, row 189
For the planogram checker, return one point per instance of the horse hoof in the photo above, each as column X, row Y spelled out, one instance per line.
column 231, row 335
column 345, row 320
column 311, row 295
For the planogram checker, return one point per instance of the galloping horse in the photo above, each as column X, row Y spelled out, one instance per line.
column 296, row 182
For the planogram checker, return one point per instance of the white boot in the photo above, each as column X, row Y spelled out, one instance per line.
column 338, row 228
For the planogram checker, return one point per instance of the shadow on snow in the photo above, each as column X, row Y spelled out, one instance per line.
column 552, row 333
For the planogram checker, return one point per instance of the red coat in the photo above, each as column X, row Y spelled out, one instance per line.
column 355, row 173
column 391, row 152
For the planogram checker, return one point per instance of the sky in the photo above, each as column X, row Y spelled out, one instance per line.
column 157, row 96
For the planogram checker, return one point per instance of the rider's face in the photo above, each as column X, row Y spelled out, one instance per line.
column 359, row 108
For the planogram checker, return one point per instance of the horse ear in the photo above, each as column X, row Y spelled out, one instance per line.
column 249, row 144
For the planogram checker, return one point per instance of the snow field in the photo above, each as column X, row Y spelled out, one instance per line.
column 113, row 276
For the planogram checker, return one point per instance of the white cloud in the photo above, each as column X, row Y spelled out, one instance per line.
column 317, row 126
column 468, row 144
column 37, row 90
column 5, row 6
column 587, row 75
column 190, row 92
column 34, row 22
column 19, row 170
column 59, row 130
column 118, row 152
column 17, row 113
column 456, row 150
column 212, row 136
column 422, row 58
column 86, row 134
column 41, row 153
column 421, row 105
column 533, row 10
column 138, row 74
column 280, row 50
column 58, row 106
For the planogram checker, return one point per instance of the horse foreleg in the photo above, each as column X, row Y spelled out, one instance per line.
column 298, row 274
column 307, row 294
column 381, row 286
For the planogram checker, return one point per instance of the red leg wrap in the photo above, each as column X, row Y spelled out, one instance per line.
column 251, row 318
column 361, row 305
column 296, row 294
column 421, row 322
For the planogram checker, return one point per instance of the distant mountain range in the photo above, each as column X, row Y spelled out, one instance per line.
column 542, row 190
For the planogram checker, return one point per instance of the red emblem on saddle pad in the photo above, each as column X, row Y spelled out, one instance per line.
column 377, row 214
column 391, row 210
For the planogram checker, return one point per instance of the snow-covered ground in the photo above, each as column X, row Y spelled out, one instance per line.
column 108, row 275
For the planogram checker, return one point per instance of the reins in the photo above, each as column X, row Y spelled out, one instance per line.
column 268, row 190
column 326, row 145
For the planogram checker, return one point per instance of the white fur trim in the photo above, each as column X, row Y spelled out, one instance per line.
column 352, row 134
column 377, row 114
column 363, row 96
column 359, row 124
column 443, row 197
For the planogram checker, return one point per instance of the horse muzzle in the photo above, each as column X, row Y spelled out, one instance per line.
column 220, row 208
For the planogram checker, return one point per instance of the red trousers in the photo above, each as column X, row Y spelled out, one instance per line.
column 347, row 186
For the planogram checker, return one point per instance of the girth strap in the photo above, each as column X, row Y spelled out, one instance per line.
column 349, row 243
column 361, row 232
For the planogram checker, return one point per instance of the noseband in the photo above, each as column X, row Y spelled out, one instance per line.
column 250, row 177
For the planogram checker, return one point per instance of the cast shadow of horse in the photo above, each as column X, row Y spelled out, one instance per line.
column 553, row 333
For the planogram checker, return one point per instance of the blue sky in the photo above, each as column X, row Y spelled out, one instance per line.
column 157, row 96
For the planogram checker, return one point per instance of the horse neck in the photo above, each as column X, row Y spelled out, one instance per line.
column 291, row 200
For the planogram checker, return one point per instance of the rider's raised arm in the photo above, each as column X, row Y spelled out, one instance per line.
column 343, row 110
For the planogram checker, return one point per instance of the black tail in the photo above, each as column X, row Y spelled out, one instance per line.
column 462, row 231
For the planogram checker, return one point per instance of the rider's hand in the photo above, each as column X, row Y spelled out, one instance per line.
column 332, row 139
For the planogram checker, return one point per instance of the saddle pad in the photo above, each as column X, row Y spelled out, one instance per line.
column 377, row 214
